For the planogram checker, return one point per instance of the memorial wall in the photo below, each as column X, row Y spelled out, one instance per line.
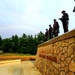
column 57, row 56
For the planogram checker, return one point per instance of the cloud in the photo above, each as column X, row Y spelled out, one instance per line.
column 32, row 16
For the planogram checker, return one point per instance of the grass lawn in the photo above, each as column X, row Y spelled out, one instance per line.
column 16, row 54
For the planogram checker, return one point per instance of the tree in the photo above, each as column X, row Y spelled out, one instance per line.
column 24, row 36
column 6, row 44
column 26, row 44
column 41, row 37
column 14, row 43
column 1, row 46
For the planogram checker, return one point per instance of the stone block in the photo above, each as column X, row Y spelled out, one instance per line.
column 71, row 49
column 72, row 66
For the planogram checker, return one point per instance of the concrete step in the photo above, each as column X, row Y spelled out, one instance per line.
column 10, row 61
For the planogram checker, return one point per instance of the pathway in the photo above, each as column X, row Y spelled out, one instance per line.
column 22, row 68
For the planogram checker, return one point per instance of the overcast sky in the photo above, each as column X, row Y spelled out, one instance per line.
column 32, row 16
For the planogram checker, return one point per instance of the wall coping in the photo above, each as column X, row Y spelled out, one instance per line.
column 64, row 36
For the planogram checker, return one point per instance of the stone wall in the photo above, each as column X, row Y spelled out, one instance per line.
column 57, row 56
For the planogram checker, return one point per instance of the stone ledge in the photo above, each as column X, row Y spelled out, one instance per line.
column 64, row 36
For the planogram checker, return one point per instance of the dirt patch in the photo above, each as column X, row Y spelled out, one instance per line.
column 23, row 58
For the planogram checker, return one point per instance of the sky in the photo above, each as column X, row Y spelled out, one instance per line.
column 32, row 16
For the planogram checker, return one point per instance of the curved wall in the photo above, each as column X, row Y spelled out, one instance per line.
column 57, row 56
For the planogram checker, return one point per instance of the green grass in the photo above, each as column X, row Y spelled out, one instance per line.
column 16, row 54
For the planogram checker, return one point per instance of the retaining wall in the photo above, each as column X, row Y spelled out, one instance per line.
column 57, row 56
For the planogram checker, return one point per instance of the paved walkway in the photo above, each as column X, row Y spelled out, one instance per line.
column 22, row 68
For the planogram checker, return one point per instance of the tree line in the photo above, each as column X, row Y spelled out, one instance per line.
column 26, row 44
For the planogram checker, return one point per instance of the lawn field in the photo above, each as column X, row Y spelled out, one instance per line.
column 11, row 56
